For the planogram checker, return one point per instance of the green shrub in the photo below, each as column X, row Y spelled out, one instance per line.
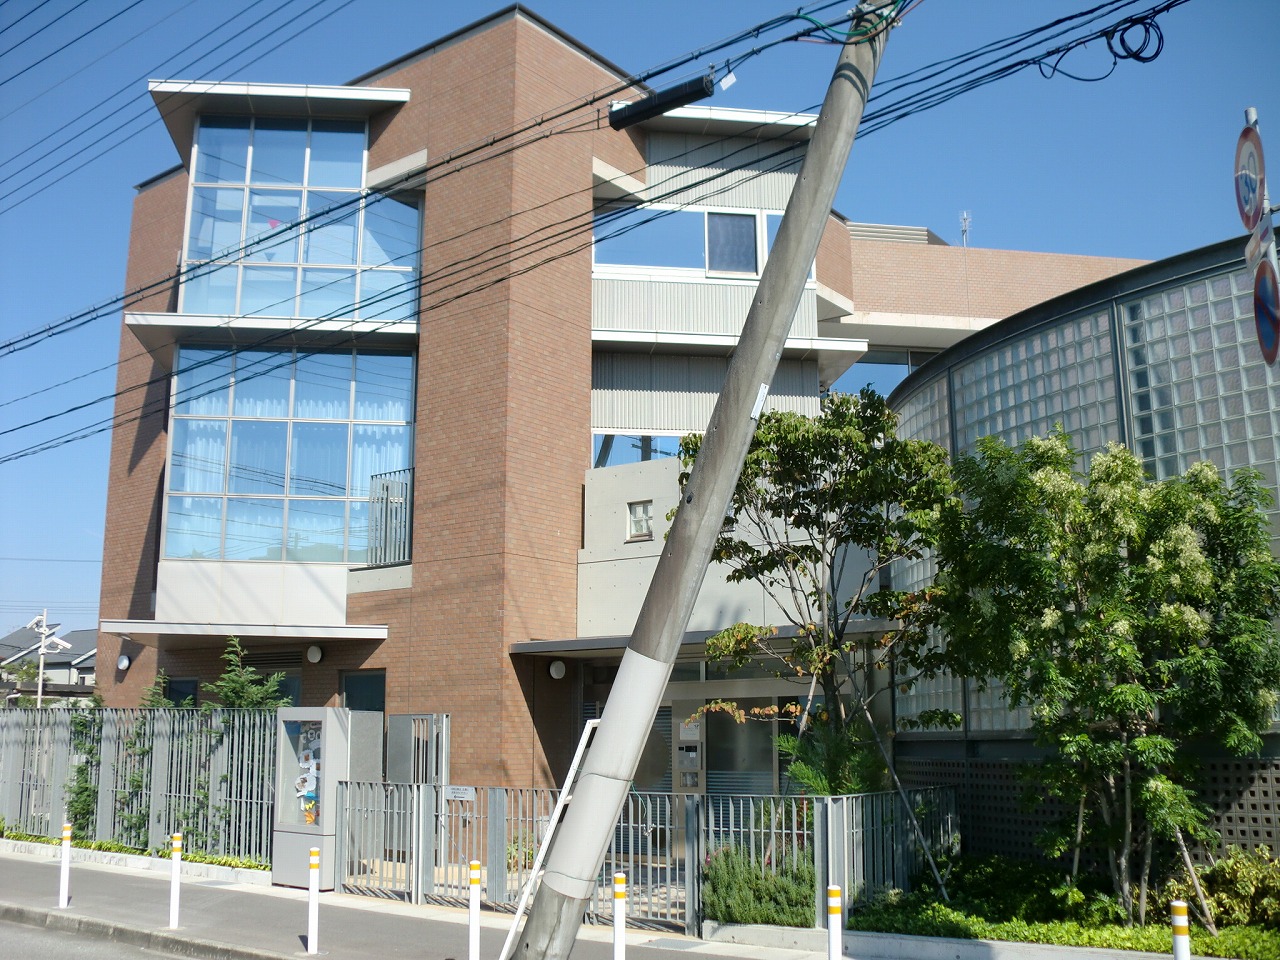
column 914, row 916
column 1242, row 888
column 739, row 889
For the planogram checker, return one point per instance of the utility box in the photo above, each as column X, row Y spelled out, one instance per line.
column 316, row 748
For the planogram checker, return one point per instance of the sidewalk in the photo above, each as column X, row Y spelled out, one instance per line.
column 225, row 920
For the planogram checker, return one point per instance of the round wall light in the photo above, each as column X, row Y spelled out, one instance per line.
column 314, row 654
column 556, row 668
column 123, row 662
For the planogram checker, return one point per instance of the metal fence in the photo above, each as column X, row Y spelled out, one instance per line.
column 390, row 517
column 414, row 842
column 137, row 775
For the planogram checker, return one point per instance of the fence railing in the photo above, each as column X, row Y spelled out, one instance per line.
column 414, row 841
column 136, row 775
column 390, row 517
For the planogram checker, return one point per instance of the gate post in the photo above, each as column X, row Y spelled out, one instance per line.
column 428, row 831
column 496, row 847
column 821, row 858
column 694, row 847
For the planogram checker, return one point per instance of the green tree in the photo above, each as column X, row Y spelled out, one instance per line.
column 241, row 685
column 1133, row 617
column 823, row 507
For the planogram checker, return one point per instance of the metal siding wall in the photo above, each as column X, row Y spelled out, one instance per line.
column 684, row 306
column 750, row 180
column 643, row 392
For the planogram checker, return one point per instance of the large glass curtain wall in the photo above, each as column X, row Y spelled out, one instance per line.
column 272, row 451
column 252, row 181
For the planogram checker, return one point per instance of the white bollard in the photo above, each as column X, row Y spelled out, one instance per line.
column 1181, row 931
column 473, row 913
column 174, row 882
column 313, row 903
column 64, row 881
column 619, row 916
column 835, row 923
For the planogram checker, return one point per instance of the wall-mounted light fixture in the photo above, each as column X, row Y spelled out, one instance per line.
column 123, row 662
column 557, row 669
column 314, row 654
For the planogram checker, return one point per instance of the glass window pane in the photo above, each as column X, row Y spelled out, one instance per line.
column 328, row 293
column 269, row 211
column 315, row 531
column 262, row 383
column 199, row 456
column 731, row 242
column 222, row 149
column 388, row 296
column 331, row 238
column 650, row 238
column 203, row 382
column 216, row 215
column 257, row 456
column 212, row 291
column 337, row 154
column 391, row 233
column 384, row 387
column 615, row 449
column 318, row 460
column 279, row 151
column 255, row 530
column 377, row 449
column 322, row 386
column 268, row 291
column 193, row 528
column 358, row 532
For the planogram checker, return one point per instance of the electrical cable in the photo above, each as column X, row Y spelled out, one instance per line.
column 72, row 42
column 508, row 259
column 48, row 171
column 74, row 321
column 35, row 33
column 67, row 77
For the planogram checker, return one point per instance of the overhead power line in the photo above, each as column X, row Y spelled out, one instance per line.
column 70, row 43
column 506, row 257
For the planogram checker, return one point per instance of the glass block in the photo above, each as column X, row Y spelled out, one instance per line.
column 1176, row 298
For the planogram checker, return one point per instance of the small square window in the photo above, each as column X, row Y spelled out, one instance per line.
column 640, row 520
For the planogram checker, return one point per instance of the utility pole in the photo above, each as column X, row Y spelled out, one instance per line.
column 601, row 789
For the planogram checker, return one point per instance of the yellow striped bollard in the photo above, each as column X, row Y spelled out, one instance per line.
column 1181, row 931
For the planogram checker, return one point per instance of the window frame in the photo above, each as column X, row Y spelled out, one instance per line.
column 646, row 515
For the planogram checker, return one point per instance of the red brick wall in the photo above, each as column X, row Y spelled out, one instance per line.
column 131, row 537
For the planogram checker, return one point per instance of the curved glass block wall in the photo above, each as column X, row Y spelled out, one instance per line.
column 1163, row 358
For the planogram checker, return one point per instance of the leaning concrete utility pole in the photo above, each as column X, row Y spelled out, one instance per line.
column 598, row 796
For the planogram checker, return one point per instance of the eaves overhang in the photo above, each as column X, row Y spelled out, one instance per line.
column 181, row 102
column 159, row 332
column 174, row 635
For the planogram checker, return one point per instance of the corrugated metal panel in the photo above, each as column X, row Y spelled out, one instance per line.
column 641, row 392
column 753, row 174
column 686, row 306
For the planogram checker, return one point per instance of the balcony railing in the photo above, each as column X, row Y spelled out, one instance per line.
column 391, row 518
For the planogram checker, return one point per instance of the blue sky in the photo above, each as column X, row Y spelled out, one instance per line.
column 1136, row 165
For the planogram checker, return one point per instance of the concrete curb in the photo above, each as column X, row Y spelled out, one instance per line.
column 162, row 941
column 107, row 858
column 893, row 946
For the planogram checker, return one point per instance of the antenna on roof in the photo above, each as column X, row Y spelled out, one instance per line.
column 965, row 220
